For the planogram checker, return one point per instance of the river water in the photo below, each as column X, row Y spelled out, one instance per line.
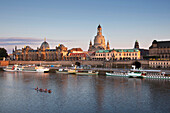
column 82, row 94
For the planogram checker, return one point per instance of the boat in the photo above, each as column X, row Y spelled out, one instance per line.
column 72, row 71
column 34, row 69
column 42, row 69
column 64, row 71
column 86, row 72
column 43, row 90
column 153, row 74
column 11, row 68
column 118, row 74
column 139, row 73
column 136, row 73
column 19, row 68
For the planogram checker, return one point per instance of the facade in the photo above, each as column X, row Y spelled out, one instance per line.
column 159, row 64
column 76, row 54
column 144, row 53
column 117, row 54
column 159, row 50
column 99, row 42
column 40, row 54
column 159, row 54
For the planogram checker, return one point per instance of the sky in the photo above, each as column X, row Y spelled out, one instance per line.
column 74, row 22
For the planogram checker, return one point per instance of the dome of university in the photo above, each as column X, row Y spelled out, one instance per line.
column 44, row 45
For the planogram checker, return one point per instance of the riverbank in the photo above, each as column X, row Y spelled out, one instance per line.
column 102, row 71
column 98, row 64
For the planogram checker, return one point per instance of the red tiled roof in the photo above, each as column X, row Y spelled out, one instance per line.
column 78, row 54
column 76, row 49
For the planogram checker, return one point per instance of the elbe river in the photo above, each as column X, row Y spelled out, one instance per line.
column 82, row 94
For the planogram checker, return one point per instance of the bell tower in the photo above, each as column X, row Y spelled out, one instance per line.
column 136, row 45
column 108, row 46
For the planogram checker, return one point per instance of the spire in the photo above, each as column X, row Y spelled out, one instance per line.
column 90, row 46
column 99, row 26
column 45, row 39
column 15, row 48
column 90, row 42
column 136, row 45
column 108, row 45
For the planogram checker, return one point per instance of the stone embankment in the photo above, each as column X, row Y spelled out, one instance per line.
column 105, row 64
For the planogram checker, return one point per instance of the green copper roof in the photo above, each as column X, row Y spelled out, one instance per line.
column 126, row 50
column 117, row 50
column 103, row 51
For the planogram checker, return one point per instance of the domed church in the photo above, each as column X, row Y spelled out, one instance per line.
column 99, row 41
column 45, row 45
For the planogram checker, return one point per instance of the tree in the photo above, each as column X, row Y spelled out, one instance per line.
column 137, row 64
column 3, row 53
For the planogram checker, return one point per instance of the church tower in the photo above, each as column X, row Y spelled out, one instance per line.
column 108, row 46
column 136, row 45
column 99, row 41
column 90, row 46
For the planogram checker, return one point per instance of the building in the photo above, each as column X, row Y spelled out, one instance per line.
column 76, row 54
column 136, row 46
column 144, row 53
column 117, row 54
column 159, row 50
column 44, row 53
column 159, row 64
column 159, row 54
column 99, row 42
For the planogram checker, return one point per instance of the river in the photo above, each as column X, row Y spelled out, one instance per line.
column 82, row 94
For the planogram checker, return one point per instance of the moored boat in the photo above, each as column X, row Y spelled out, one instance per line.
column 11, row 68
column 64, row 71
column 119, row 74
column 72, row 71
column 136, row 73
column 34, row 69
column 86, row 72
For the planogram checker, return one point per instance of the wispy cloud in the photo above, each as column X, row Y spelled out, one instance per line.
column 10, row 42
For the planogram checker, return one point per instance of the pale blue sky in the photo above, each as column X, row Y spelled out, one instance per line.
column 123, row 21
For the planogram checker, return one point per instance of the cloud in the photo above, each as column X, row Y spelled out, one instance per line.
column 10, row 42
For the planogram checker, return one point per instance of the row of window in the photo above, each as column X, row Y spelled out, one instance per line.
column 128, row 54
column 160, row 63
column 159, row 51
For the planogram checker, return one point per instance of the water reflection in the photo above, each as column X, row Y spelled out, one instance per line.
column 72, row 93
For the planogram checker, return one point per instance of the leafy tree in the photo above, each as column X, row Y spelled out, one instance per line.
column 137, row 64
column 3, row 53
